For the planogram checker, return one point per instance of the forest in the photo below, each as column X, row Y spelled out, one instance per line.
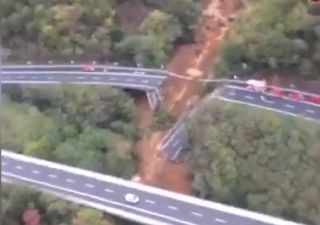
column 256, row 159
column 91, row 127
column 130, row 32
column 273, row 34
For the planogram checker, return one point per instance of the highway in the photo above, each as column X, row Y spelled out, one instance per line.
column 148, row 80
column 156, row 206
column 176, row 138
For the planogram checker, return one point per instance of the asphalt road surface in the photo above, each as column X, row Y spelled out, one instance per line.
column 169, row 210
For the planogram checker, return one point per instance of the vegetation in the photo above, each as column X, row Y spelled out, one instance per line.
column 273, row 34
column 88, row 127
column 258, row 160
column 91, row 29
column 21, row 205
column 162, row 120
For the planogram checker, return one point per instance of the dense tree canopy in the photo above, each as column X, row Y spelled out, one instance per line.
column 17, row 202
column 258, row 160
column 88, row 127
column 91, row 29
column 272, row 34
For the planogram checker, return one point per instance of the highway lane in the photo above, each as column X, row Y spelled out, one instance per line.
column 261, row 100
column 79, row 67
column 154, row 203
column 176, row 139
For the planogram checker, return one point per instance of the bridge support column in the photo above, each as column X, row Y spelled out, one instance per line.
column 153, row 99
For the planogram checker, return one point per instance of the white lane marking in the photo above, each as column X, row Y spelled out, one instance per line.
column 290, row 106
column 96, row 78
column 172, row 207
column 3, row 163
column 20, row 77
column 89, row 185
column 52, row 176
column 70, row 181
column 145, row 81
column 249, row 97
column 94, row 197
column 112, row 78
column 311, row 111
column 231, row 93
column 150, row 201
column 80, row 77
column 19, row 167
column 35, row 171
column 219, row 220
column 50, row 78
column 196, row 214
column 129, row 80
column 175, row 143
column 109, row 190
column 33, row 78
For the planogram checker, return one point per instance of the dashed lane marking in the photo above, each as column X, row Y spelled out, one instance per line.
column 145, row 81
column 52, row 176
column 150, row 201
column 219, row 220
column 290, row 106
column 19, row 167
column 249, row 97
column 172, row 207
column 80, row 77
column 35, row 171
column 33, row 78
column 129, row 80
column 3, row 163
column 311, row 111
column 70, row 181
column 113, row 79
column 89, row 185
column 96, row 78
column 109, row 190
column 196, row 214
column 20, row 77
column 50, row 78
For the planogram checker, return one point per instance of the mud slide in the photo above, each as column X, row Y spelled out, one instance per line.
column 193, row 60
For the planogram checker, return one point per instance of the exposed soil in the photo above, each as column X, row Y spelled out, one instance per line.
column 198, row 57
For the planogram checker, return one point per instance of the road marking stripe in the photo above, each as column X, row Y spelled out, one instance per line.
column 290, row 106
column 129, row 80
column 50, row 78
column 219, row 220
column 35, row 171
column 20, row 77
column 112, row 78
column 96, row 78
column 52, row 176
column 80, row 77
column 145, row 81
column 310, row 111
column 249, row 97
column 70, row 181
column 109, row 190
column 196, row 214
column 172, row 207
column 3, row 163
column 19, row 167
column 89, row 185
column 150, row 201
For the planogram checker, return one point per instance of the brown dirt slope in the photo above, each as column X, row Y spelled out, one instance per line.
column 154, row 169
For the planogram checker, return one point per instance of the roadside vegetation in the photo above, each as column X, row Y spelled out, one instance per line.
column 273, row 34
column 83, row 126
column 89, row 127
column 97, row 30
column 256, row 159
column 21, row 205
